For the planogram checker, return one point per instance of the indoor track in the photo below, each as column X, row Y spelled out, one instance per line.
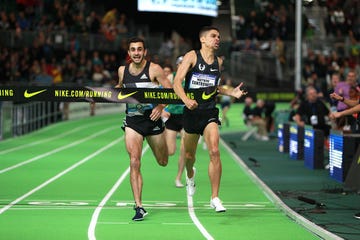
column 71, row 181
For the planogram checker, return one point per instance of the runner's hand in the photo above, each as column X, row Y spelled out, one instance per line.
column 191, row 104
column 156, row 113
column 238, row 92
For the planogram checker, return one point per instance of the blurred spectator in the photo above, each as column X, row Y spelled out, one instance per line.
column 80, row 6
column 166, row 49
column 68, row 69
column 169, row 70
column 113, row 64
column 335, row 21
column 335, row 79
column 268, row 25
column 4, row 22
column 240, row 27
column 234, row 46
column 183, row 45
column 343, row 89
column 313, row 112
column 12, row 21
column 23, row 22
column 248, row 45
column 122, row 25
column 93, row 22
column 259, row 120
column 100, row 76
column 309, row 30
column 285, row 31
column 247, row 111
column 307, row 71
column 110, row 32
column 110, row 17
column 79, row 25
column 251, row 21
column 23, row 71
column 269, row 108
column 253, row 116
column 43, row 78
column 56, row 73
column 74, row 44
column 354, row 48
column 96, row 60
column 321, row 69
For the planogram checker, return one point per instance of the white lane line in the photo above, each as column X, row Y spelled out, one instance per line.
column 8, row 206
column 195, row 220
column 127, row 223
column 275, row 199
column 50, row 138
column 95, row 216
column 34, row 207
column 55, row 150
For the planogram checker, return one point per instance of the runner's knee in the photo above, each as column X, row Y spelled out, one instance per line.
column 163, row 161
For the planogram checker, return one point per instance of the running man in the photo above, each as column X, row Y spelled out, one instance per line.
column 200, row 69
column 173, row 116
column 143, row 121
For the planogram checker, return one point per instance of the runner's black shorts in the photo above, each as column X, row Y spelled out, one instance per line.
column 196, row 120
column 225, row 104
column 144, row 125
column 175, row 122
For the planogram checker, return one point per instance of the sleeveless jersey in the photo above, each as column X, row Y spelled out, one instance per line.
column 203, row 75
column 142, row 80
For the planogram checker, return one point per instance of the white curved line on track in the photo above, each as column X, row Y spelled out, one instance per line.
column 95, row 216
column 195, row 220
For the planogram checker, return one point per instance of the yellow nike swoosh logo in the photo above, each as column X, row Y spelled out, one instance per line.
column 207, row 96
column 120, row 96
column 29, row 95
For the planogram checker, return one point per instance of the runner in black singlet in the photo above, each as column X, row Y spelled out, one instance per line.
column 201, row 69
column 142, row 121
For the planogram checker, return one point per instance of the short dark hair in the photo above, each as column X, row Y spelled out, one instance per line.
column 135, row 40
column 205, row 29
column 168, row 65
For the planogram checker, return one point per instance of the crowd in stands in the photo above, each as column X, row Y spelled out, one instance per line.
column 273, row 19
column 42, row 63
column 270, row 27
column 266, row 28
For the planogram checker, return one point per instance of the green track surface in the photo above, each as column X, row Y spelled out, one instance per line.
column 70, row 181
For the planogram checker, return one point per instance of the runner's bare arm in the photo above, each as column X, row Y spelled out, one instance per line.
column 121, row 76
column 157, row 74
column 187, row 63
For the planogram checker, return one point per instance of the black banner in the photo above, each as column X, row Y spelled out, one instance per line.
column 101, row 94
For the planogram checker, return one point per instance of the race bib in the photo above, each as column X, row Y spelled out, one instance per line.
column 200, row 80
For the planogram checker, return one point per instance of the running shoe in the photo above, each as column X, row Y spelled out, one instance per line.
column 357, row 215
column 190, row 184
column 140, row 213
column 178, row 184
column 217, row 205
